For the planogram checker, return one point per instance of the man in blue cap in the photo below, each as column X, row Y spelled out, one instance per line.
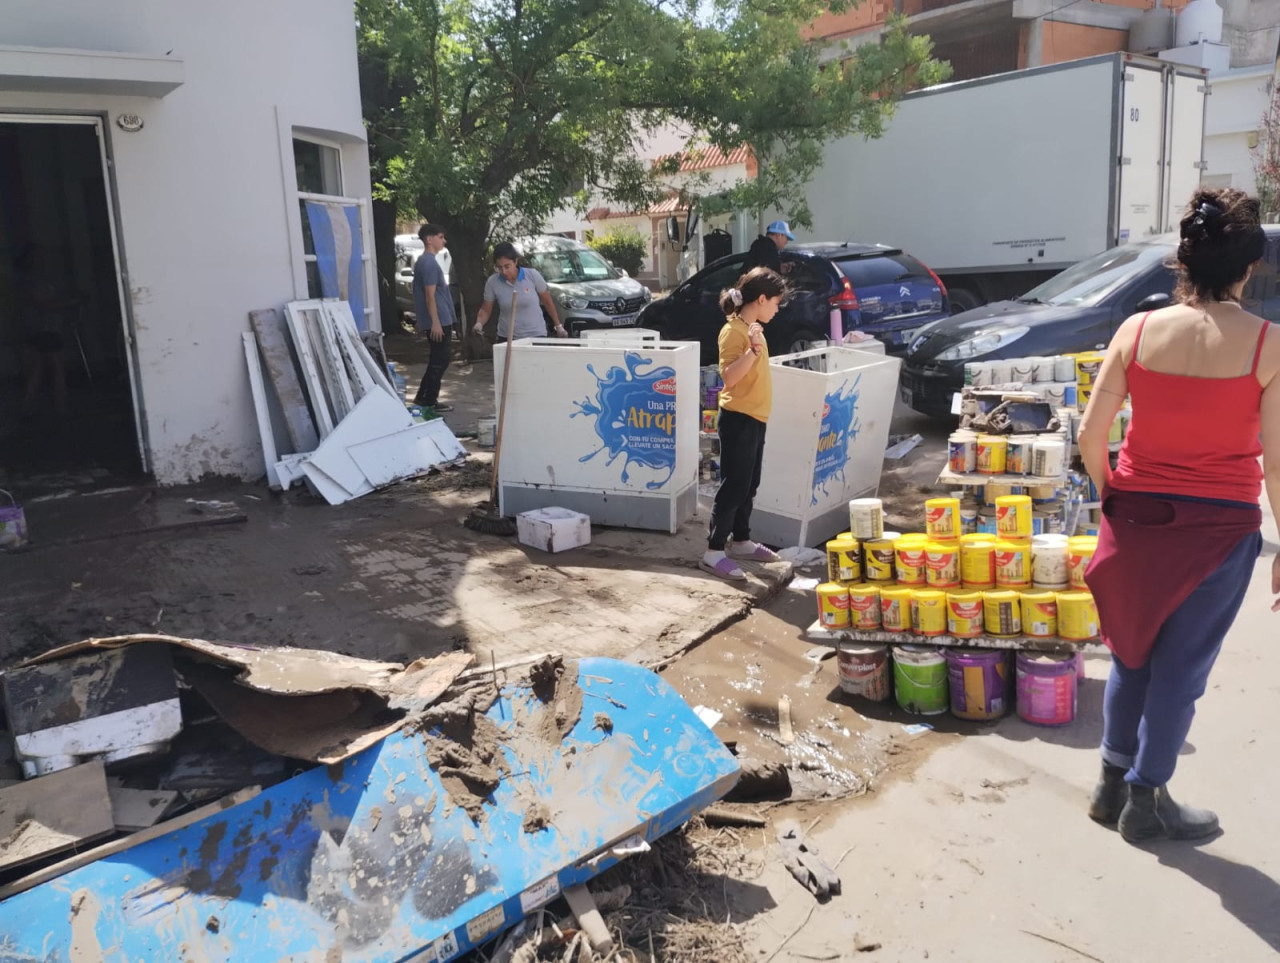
column 766, row 249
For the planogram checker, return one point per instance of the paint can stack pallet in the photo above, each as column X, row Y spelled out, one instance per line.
column 1007, row 590
column 348, row 427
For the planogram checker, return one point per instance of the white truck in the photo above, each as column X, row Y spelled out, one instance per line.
column 999, row 183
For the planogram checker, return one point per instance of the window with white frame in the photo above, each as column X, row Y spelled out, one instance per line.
column 334, row 227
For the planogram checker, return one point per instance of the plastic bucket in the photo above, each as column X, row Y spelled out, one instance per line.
column 866, row 518
column 920, row 679
column 942, row 564
column 1013, row 516
column 909, row 559
column 1047, row 687
column 978, row 562
column 1080, row 552
column 486, row 432
column 1013, row 563
column 13, row 524
column 864, row 670
column 992, row 452
column 1049, row 560
column 879, row 560
column 1077, row 616
column 964, row 614
column 979, row 680
column 1040, row 614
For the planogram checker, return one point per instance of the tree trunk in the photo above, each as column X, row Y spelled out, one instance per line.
column 472, row 267
column 384, row 253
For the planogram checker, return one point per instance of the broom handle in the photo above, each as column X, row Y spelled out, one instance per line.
column 502, row 403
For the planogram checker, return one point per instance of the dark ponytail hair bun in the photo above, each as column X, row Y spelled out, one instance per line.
column 1222, row 237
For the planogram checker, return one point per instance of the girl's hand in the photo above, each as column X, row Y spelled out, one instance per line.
column 755, row 334
column 1275, row 582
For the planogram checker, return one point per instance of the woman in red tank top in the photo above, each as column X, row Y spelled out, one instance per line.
column 1180, row 529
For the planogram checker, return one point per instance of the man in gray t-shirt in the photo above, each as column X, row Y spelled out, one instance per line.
column 433, row 315
column 528, row 288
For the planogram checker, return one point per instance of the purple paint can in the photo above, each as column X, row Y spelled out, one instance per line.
column 1047, row 688
column 979, row 683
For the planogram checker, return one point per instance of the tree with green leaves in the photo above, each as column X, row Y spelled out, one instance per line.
column 487, row 115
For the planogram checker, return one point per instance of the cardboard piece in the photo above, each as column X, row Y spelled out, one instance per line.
column 302, row 703
column 53, row 813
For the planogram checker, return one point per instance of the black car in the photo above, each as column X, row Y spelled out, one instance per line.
column 1077, row 310
column 877, row 289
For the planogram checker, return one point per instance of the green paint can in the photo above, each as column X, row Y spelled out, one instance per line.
column 920, row 679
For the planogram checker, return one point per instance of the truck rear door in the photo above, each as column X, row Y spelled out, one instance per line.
column 1139, row 206
column 1184, row 145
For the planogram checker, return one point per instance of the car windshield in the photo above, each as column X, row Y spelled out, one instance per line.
column 569, row 266
column 1093, row 279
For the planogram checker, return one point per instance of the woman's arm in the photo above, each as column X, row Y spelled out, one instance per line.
column 1271, row 448
column 482, row 316
column 1109, row 392
column 549, row 305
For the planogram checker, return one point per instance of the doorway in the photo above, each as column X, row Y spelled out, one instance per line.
column 68, row 411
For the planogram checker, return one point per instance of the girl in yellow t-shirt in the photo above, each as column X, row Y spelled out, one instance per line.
column 744, row 410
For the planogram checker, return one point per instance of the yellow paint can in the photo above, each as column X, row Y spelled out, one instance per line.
column 942, row 518
column 964, row 614
column 942, row 564
column 895, row 609
column 1013, row 563
column 1002, row 612
column 833, row 605
column 1080, row 552
column 993, row 450
column 978, row 563
column 1077, row 616
column 844, row 560
column 864, row 606
column 909, row 559
column 879, row 560
column 1040, row 614
column 1013, row 516
column 1088, row 364
column 930, row 611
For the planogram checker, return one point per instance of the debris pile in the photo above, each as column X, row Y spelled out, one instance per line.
column 349, row 429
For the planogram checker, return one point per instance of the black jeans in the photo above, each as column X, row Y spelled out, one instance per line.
column 441, row 353
column 741, row 455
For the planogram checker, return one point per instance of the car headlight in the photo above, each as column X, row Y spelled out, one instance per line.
column 646, row 294
column 982, row 344
column 577, row 304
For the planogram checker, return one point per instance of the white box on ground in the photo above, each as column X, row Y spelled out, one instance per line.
column 553, row 529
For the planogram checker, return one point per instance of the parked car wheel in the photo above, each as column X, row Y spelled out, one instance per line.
column 804, row 340
column 962, row 300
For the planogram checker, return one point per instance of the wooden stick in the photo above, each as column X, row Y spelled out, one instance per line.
column 720, row 816
column 502, row 402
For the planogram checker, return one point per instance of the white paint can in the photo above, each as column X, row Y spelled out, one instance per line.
column 487, row 432
column 1001, row 372
column 1049, row 562
column 1054, row 394
column 977, row 374
column 866, row 518
column 1022, row 369
column 1042, row 370
column 1048, row 457
column 1064, row 369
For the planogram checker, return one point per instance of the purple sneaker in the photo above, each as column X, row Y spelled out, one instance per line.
column 725, row 568
column 757, row 553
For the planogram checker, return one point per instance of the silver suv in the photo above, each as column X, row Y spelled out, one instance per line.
column 589, row 291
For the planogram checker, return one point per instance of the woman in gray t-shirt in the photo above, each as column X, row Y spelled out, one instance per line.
column 531, row 296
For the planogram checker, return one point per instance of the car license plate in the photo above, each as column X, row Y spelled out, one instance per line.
column 906, row 396
column 908, row 335
column 623, row 319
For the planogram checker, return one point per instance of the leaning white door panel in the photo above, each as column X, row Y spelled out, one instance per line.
column 1139, row 209
column 1185, row 151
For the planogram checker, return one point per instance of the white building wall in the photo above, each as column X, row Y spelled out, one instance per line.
column 206, row 191
column 1233, row 115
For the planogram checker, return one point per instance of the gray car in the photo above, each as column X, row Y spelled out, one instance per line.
column 588, row 290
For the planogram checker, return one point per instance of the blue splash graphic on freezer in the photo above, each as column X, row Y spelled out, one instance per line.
column 635, row 417
column 840, row 425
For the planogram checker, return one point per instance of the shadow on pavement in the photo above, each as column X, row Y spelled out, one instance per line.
column 1248, row 894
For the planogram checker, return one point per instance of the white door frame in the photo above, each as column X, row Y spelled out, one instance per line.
column 97, row 122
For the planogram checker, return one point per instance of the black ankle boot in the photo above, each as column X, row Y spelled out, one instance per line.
column 1109, row 795
column 1152, row 814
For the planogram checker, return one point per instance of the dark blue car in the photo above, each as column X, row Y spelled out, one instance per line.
column 877, row 289
column 1077, row 310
